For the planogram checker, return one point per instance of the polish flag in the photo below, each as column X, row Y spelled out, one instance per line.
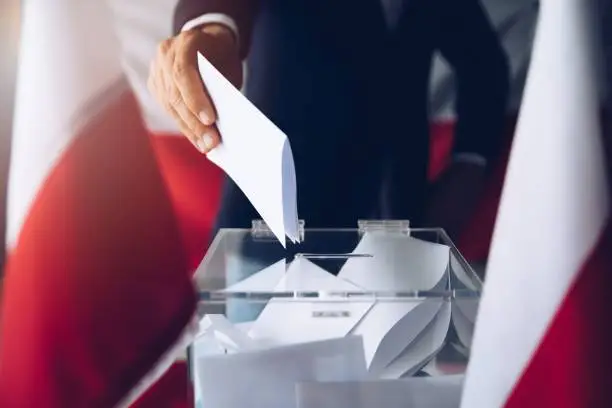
column 97, row 294
column 542, row 335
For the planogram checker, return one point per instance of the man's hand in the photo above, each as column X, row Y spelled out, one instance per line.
column 455, row 197
column 175, row 81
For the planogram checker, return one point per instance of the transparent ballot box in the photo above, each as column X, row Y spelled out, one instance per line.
column 377, row 315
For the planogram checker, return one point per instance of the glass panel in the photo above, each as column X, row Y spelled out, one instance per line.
column 407, row 295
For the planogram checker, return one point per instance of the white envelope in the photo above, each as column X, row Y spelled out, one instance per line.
column 391, row 326
column 304, row 276
column 427, row 345
column 244, row 326
column 204, row 345
column 464, row 318
column 267, row 378
column 461, row 273
column 296, row 320
column 254, row 153
column 226, row 334
column 217, row 336
column 397, row 263
column 263, row 281
column 418, row 392
column 468, row 306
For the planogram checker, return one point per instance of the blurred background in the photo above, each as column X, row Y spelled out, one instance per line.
column 141, row 24
column 9, row 42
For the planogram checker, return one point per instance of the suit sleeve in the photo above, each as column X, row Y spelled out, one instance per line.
column 471, row 46
column 243, row 12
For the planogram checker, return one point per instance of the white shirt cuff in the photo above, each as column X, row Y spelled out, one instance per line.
column 212, row 18
column 218, row 18
column 471, row 158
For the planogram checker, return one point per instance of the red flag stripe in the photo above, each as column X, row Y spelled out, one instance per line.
column 194, row 185
column 173, row 390
column 535, row 320
column 96, row 289
column 572, row 366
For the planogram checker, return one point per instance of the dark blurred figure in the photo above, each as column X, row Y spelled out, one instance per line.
column 604, row 14
column 347, row 80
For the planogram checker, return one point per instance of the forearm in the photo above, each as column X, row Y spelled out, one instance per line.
column 241, row 14
column 471, row 45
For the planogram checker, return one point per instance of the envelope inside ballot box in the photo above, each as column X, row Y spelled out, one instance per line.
column 295, row 339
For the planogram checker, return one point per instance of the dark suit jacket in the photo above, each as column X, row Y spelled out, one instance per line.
column 352, row 96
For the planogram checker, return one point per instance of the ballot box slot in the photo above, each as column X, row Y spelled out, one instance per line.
column 332, row 256
column 261, row 232
column 385, row 226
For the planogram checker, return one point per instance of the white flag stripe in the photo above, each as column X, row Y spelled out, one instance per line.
column 73, row 98
column 54, row 83
column 141, row 25
column 553, row 207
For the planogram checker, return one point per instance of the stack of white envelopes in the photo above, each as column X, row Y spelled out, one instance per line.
column 338, row 351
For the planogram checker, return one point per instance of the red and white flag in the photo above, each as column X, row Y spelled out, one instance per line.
column 542, row 335
column 97, row 292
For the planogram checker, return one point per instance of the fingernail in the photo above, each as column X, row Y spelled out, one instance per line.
column 201, row 146
column 205, row 143
column 205, row 118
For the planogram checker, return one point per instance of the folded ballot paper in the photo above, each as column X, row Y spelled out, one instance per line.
column 254, row 153
column 334, row 347
column 397, row 263
column 267, row 377
column 463, row 318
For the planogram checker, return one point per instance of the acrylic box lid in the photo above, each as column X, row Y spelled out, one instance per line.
column 384, row 259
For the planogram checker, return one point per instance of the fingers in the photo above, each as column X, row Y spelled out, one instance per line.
column 189, row 84
column 187, row 104
column 203, row 137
